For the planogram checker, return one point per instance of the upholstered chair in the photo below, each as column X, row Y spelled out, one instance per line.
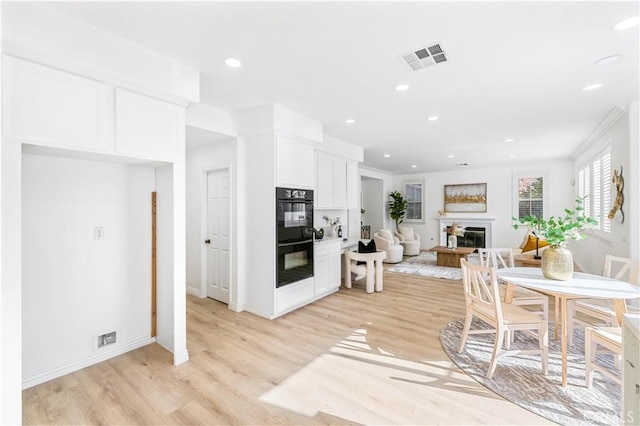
column 386, row 242
column 409, row 239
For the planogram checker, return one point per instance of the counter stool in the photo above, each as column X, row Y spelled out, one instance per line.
column 372, row 269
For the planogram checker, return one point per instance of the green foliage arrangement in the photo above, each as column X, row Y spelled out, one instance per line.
column 558, row 231
column 397, row 207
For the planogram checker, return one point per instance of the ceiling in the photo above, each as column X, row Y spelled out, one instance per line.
column 515, row 70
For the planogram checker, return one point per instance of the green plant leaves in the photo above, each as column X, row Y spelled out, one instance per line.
column 557, row 231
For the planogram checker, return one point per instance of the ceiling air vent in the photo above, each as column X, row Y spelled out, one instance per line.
column 425, row 57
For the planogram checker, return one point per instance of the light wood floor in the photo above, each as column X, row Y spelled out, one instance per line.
column 349, row 358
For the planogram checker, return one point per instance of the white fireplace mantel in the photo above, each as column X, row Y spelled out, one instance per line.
column 480, row 222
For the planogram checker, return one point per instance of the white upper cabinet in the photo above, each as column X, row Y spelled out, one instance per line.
column 294, row 163
column 336, row 182
column 147, row 127
column 353, row 192
column 49, row 107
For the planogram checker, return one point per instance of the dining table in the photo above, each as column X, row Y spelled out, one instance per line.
column 581, row 286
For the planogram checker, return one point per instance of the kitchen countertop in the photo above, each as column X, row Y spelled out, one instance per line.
column 346, row 244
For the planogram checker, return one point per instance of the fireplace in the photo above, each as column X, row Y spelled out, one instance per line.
column 478, row 231
column 474, row 236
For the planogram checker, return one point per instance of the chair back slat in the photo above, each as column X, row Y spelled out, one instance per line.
column 481, row 287
column 621, row 268
column 496, row 257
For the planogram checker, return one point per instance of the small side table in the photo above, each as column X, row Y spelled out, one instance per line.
column 527, row 260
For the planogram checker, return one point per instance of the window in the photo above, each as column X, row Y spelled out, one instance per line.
column 530, row 195
column 595, row 187
column 413, row 193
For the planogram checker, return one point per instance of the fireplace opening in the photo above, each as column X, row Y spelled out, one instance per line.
column 473, row 237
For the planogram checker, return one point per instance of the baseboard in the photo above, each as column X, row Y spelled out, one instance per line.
column 196, row 292
column 180, row 359
column 36, row 379
column 236, row 308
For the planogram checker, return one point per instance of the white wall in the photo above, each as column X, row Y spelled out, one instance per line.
column 499, row 198
column 373, row 197
column 378, row 207
column 216, row 156
column 591, row 251
column 632, row 195
column 75, row 287
column 10, row 283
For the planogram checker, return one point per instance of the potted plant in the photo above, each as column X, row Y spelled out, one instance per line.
column 557, row 262
column 397, row 207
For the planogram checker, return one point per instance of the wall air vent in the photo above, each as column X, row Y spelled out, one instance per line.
column 424, row 57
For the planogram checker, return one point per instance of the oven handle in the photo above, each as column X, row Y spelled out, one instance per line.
column 294, row 243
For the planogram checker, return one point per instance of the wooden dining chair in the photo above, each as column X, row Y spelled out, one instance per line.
column 609, row 340
column 482, row 300
column 503, row 258
column 599, row 312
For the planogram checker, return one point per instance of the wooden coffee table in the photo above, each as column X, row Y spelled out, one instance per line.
column 451, row 257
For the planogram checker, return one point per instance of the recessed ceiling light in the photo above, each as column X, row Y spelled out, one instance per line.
column 413, row 166
column 387, row 155
column 627, row 23
column 450, row 156
column 402, row 87
column 608, row 60
column 432, row 118
column 233, row 63
column 592, row 87
column 509, row 140
column 349, row 121
column 512, row 156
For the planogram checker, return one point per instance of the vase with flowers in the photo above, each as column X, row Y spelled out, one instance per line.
column 557, row 261
column 334, row 223
column 453, row 232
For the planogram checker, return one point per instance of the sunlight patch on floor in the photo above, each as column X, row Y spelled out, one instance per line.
column 366, row 385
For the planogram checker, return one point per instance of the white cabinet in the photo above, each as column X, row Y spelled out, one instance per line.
column 147, row 127
column 336, row 182
column 630, row 368
column 326, row 266
column 353, row 192
column 294, row 163
column 293, row 296
column 45, row 106
column 50, row 107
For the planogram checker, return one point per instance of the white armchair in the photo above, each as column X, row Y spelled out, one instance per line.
column 409, row 239
column 386, row 242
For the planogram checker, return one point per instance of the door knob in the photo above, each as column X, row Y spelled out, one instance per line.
column 207, row 241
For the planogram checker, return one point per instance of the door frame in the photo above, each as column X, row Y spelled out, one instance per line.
column 203, row 230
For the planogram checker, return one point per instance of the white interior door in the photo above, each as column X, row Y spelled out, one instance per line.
column 217, row 239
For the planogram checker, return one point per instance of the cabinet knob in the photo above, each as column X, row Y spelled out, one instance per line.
column 207, row 241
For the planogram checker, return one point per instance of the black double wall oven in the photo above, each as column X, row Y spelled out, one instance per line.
column 294, row 216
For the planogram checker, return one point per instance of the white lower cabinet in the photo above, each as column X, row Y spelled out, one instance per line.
column 294, row 295
column 631, row 369
column 326, row 266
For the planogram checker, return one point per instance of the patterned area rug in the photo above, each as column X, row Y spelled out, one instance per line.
column 425, row 265
column 519, row 379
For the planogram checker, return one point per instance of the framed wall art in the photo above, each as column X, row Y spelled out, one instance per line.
column 465, row 198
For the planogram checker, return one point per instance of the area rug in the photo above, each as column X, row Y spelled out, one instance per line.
column 519, row 379
column 425, row 265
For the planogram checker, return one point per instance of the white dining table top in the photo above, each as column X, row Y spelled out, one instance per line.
column 581, row 285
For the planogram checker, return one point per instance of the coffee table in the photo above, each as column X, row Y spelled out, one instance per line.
column 451, row 257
